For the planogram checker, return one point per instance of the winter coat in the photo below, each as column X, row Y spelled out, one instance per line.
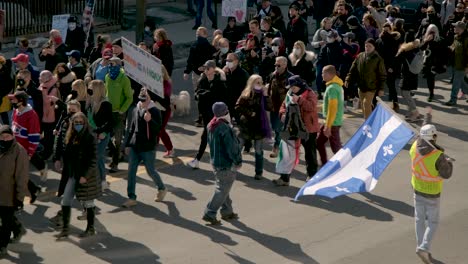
column 35, row 99
column 304, row 66
column 319, row 36
column 7, row 81
column 331, row 54
column 235, row 82
column 225, row 149
column 425, row 24
column 15, row 179
column 404, row 57
column 142, row 136
column 296, row 30
column 387, row 47
column 52, row 60
column 65, row 85
column 119, row 92
column 233, row 35
column 103, row 118
column 460, row 52
column 59, row 144
column 308, row 107
column 267, row 65
column 278, row 23
column 340, row 24
column 368, row 71
column 76, row 39
column 350, row 53
column 210, row 92
column 436, row 57
column 79, row 160
column 200, row 51
column 48, row 115
column 248, row 63
column 249, row 110
column 277, row 88
column 29, row 52
column 164, row 53
column 79, row 69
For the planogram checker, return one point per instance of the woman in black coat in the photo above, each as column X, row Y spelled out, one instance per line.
column 162, row 49
column 302, row 62
column 435, row 57
column 409, row 81
column 79, row 173
column 233, row 33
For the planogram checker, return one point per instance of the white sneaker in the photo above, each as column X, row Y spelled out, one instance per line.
column 194, row 164
column 104, row 185
column 44, row 173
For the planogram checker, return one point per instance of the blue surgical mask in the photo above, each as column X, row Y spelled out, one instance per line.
column 78, row 127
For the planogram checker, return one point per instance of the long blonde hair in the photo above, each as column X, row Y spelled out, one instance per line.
column 432, row 28
column 80, row 87
column 99, row 95
column 165, row 74
column 248, row 91
column 72, row 134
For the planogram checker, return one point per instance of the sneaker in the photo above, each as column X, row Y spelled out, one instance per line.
column 44, row 173
column 280, row 182
column 129, row 203
column 160, row 196
column 231, row 216
column 17, row 237
column 104, row 185
column 169, row 154
column 450, row 103
column 83, row 216
column 212, row 221
column 113, row 168
column 194, row 164
column 3, row 252
column 424, row 256
column 258, row 177
column 274, row 153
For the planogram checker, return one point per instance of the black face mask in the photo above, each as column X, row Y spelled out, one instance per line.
column 90, row 92
column 21, row 82
column 5, row 145
column 74, row 94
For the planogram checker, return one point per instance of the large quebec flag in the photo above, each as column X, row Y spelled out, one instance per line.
column 358, row 165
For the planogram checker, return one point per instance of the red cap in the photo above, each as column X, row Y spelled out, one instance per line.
column 107, row 54
column 21, row 58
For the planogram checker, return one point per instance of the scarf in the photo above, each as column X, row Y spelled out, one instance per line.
column 114, row 72
column 265, row 125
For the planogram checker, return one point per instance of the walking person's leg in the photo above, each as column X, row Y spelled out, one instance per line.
column 432, row 206
column 133, row 162
column 321, row 141
column 335, row 140
column 66, row 203
column 149, row 158
column 90, row 217
column 7, row 218
column 119, row 120
column 199, row 16
column 310, row 149
column 101, row 159
column 430, row 78
column 224, row 181
column 258, row 158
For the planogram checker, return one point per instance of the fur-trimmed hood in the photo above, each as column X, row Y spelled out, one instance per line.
column 222, row 74
column 394, row 34
column 405, row 47
column 308, row 56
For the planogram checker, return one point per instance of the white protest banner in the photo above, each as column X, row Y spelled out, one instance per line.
column 143, row 67
column 235, row 8
column 60, row 22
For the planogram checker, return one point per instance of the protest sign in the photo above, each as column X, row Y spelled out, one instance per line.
column 60, row 22
column 235, row 8
column 143, row 67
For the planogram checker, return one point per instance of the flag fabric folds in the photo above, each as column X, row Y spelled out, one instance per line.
column 358, row 165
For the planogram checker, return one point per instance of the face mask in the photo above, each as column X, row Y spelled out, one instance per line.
column 224, row 50
column 74, row 94
column 17, row 105
column 114, row 71
column 330, row 40
column 90, row 92
column 147, row 29
column 230, row 64
column 21, row 82
column 5, row 145
column 275, row 49
column 297, row 52
column 78, row 127
column 71, row 26
column 258, row 87
column 58, row 40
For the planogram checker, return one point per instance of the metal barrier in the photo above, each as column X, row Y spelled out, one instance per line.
column 23, row 17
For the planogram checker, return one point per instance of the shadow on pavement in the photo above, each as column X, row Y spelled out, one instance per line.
column 114, row 249
column 239, row 259
column 347, row 205
column 278, row 245
column 25, row 253
column 394, row 205
column 173, row 218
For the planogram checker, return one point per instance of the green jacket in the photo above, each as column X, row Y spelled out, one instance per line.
column 460, row 52
column 119, row 92
column 225, row 149
column 368, row 71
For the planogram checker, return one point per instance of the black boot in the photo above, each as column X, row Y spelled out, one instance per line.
column 66, row 212
column 90, row 231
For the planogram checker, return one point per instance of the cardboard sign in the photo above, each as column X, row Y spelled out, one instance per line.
column 143, row 67
column 60, row 22
column 235, row 8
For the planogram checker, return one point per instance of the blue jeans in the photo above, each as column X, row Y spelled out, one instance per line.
column 101, row 156
column 319, row 79
column 457, row 84
column 69, row 194
column 426, row 216
column 258, row 144
column 148, row 158
column 209, row 11
column 275, row 122
column 224, row 180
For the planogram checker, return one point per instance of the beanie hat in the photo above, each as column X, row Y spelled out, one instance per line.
column 353, row 21
column 117, row 42
column 371, row 41
column 220, row 109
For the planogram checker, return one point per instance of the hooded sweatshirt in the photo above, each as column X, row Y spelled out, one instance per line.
column 225, row 149
column 332, row 107
column 27, row 129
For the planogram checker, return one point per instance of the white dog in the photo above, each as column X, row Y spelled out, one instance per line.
column 180, row 104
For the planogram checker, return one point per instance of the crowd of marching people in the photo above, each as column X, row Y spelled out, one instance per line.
column 264, row 77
